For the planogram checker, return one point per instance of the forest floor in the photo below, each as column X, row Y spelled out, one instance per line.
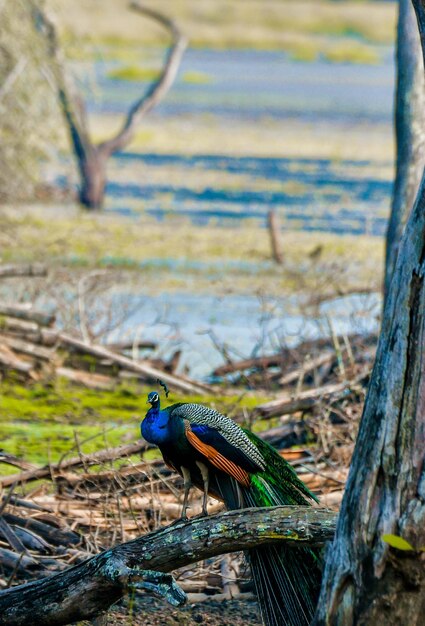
column 153, row 612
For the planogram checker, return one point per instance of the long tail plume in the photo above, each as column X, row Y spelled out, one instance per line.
column 287, row 579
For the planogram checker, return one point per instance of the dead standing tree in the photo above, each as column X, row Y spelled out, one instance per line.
column 92, row 158
column 409, row 125
column 364, row 578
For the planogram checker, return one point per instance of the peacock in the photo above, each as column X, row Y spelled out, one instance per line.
column 212, row 452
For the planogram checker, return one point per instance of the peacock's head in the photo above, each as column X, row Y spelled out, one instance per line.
column 153, row 398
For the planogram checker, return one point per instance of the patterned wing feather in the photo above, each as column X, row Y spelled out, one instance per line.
column 233, row 441
column 219, row 460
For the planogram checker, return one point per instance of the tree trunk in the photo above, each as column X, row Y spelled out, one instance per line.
column 93, row 178
column 365, row 579
column 409, row 130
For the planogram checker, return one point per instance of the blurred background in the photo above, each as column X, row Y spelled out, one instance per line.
column 277, row 106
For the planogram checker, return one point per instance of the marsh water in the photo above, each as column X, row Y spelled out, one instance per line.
column 206, row 327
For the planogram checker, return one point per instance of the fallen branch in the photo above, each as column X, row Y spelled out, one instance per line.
column 83, row 591
column 261, row 363
column 292, row 357
column 308, row 366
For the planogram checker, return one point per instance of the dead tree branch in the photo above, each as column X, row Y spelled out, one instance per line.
column 158, row 89
column 85, row 590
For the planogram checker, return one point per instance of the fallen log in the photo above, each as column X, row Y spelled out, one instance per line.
column 11, row 459
column 34, row 269
column 97, row 458
column 9, row 361
column 88, row 379
column 139, row 367
column 31, row 331
column 27, row 313
column 53, row 535
column 292, row 433
column 260, row 363
column 27, row 347
column 83, row 591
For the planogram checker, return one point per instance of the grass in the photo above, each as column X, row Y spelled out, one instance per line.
column 208, row 134
column 220, row 24
column 68, row 237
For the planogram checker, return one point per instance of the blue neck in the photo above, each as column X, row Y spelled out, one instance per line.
column 157, row 427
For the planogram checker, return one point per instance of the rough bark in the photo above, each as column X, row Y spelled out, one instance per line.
column 83, row 591
column 92, row 158
column 409, row 123
column 385, row 494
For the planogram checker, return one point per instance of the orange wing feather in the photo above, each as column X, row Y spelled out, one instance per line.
column 216, row 458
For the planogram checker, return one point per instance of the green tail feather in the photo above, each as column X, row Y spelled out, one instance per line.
column 287, row 579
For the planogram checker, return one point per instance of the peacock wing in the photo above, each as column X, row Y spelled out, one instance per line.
column 220, row 440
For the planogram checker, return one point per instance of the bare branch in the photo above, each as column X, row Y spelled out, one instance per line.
column 158, row 89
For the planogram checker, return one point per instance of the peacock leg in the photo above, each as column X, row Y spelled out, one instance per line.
column 187, row 482
column 206, row 480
